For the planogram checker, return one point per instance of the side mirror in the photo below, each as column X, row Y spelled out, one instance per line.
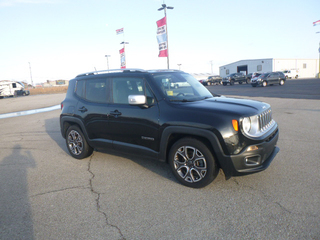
column 137, row 99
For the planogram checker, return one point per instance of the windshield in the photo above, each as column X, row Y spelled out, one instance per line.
column 181, row 87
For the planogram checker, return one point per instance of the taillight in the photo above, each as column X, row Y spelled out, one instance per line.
column 61, row 106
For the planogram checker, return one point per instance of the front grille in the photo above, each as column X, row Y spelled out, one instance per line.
column 265, row 120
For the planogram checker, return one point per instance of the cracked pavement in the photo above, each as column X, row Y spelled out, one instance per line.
column 47, row 194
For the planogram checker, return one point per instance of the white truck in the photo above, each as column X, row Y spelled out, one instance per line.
column 293, row 73
column 12, row 89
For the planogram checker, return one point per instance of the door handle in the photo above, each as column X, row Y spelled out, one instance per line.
column 83, row 109
column 115, row 113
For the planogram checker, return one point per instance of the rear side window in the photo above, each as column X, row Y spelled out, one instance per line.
column 80, row 89
column 96, row 90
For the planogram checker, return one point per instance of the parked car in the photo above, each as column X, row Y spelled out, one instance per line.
column 204, row 82
column 234, row 77
column 249, row 76
column 291, row 73
column 270, row 78
column 195, row 132
column 216, row 79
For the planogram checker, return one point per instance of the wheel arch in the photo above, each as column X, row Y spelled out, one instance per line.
column 172, row 134
column 67, row 121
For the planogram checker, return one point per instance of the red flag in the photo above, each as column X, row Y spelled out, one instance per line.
column 162, row 37
column 122, row 58
column 119, row 31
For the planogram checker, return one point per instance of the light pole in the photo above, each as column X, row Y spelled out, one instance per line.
column 31, row 74
column 107, row 56
column 179, row 64
column 165, row 7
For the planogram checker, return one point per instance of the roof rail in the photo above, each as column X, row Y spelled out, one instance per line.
column 164, row 70
column 111, row 70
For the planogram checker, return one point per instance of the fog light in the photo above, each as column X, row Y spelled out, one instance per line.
column 253, row 161
column 252, row 148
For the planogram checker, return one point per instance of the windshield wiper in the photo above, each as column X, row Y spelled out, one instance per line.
column 180, row 100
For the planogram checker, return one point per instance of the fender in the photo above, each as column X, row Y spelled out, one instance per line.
column 224, row 161
column 72, row 119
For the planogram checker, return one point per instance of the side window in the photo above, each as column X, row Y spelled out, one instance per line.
column 80, row 89
column 14, row 85
column 125, row 86
column 96, row 90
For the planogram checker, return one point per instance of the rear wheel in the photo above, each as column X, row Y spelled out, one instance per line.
column 192, row 163
column 281, row 82
column 77, row 144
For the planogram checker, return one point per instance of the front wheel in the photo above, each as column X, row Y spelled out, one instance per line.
column 192, row 163
column 264, row 84
column 77, row 144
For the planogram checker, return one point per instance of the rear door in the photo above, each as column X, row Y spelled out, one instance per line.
column 94, row 107
column 272, row 78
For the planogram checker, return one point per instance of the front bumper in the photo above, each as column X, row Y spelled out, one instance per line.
column 251, row 161
column 254, row 158
column 256, row 83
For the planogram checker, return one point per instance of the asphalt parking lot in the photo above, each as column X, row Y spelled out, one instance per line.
column 47, row 194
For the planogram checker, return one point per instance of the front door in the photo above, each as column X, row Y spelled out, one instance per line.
column 133, row 127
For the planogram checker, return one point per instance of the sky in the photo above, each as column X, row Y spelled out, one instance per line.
column 59, row 39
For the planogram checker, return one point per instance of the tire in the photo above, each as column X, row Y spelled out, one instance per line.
column 224, row 84
column 77, row 144
column 240, row 82
column 281, row 82
column 248, row 81
column 221, row 82
column 192, row 163
column 264, row 84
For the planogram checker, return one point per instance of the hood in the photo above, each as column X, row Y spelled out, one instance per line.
column 240, row 107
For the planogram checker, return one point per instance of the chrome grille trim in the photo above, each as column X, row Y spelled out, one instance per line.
column 265, row 120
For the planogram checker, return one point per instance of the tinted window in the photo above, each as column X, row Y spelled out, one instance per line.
column 125, row 86
column 96, row 90
column 80, row 89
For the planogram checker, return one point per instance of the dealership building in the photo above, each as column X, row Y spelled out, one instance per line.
column 307, row 68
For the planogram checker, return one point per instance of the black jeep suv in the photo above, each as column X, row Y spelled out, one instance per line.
column 196, row 132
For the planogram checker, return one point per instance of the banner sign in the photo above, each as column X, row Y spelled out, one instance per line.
column 119, row 31
column 162, row 37
column 122, row 58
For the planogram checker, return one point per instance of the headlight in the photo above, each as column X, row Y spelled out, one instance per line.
column 250, row 125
